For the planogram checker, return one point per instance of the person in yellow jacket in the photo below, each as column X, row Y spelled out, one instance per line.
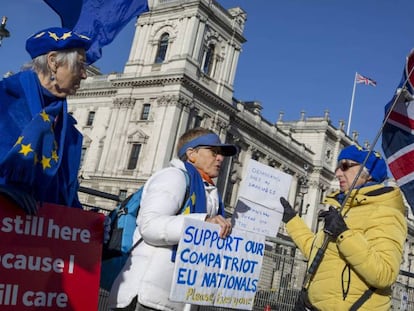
column 366, row 238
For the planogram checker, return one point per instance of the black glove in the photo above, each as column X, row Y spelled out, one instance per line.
column 334, row 223
column 23, row 199
column 288, row 211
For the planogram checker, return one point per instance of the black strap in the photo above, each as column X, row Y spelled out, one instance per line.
column 365, row 296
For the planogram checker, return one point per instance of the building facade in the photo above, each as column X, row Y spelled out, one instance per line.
column 180, row 74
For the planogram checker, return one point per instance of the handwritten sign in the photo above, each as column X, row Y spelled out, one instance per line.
column 50, row 261
column 214, row 271
column 258, row 208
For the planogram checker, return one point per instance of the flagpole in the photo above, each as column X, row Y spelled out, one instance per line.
column 350, row 108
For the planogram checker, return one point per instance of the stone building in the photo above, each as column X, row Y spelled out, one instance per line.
column 180, row 74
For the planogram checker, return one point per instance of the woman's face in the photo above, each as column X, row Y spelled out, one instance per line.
column 67, row 79
column 207, row 159
column 346, row 172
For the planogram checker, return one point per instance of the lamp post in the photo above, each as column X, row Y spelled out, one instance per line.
column 4, row 33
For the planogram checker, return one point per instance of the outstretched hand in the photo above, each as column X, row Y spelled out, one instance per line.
column 334, row 223
column 23, row 199
column 288, row 211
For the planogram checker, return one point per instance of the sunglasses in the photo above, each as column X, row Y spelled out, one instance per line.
column 345, row 165
column 214, row 150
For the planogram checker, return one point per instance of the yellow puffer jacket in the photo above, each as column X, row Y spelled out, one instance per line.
column 368, row 254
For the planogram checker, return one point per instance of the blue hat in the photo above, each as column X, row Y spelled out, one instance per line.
column 55, row 39
column 209, row 140
column 375, row 164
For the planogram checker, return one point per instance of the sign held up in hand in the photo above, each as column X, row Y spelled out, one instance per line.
column 213, row 271
column 50, row 261
column 258, row 208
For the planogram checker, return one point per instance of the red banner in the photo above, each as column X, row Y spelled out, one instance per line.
column 50, row 261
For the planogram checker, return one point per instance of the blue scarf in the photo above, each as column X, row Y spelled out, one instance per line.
column 197, row 193
column 341, row 195
column 197, row 198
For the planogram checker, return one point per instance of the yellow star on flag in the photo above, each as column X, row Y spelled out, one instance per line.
column 84, row 37
column 53, row 36
column 45, row 162
column 19, row 140
column 40, row 34
column 55, row 156
column 26, row 149
column 186, row 211
column 44, row 116
column 66, row 35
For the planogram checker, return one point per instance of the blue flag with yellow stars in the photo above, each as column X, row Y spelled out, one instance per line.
column 100, row 20
column 35, row 152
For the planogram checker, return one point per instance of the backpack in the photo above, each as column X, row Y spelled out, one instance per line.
column 120, row 244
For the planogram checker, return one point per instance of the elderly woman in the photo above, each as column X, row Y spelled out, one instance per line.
column 40, row 147
column 366, row 238
column 146, row 279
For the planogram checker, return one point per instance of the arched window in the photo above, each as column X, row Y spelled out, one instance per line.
column 162, row 48
column 208, row 59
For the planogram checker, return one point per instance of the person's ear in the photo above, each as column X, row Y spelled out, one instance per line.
column 51, row 61
column 190, row 155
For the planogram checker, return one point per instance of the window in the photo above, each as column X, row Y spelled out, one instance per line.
column 91, row 117
column 145, row 112
column 208, row 59
column 122, row 195
column 197, row 121
column 83, row 152
column 133, row 158
column 162, row 48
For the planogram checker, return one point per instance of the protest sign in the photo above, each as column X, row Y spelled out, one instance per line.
column 258, row 207
column 214, row 271
column 50, row 261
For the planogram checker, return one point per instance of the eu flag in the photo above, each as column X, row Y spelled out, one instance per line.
column 100, row 20
column 398, row 133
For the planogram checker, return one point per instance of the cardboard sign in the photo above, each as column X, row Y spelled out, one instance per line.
column 258, row 208
column 50, row 261
column 214, row 271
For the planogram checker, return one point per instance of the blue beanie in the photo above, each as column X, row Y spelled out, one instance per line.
column 375, row 164
column 55, row 39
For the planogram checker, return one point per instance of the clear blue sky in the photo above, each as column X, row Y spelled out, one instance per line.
column 299, row 54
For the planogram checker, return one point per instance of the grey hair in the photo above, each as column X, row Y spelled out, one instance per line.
column 365, row 173
column 39, row 64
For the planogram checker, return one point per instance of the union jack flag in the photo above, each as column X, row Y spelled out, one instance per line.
column 367, row 81
column 398, row 134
